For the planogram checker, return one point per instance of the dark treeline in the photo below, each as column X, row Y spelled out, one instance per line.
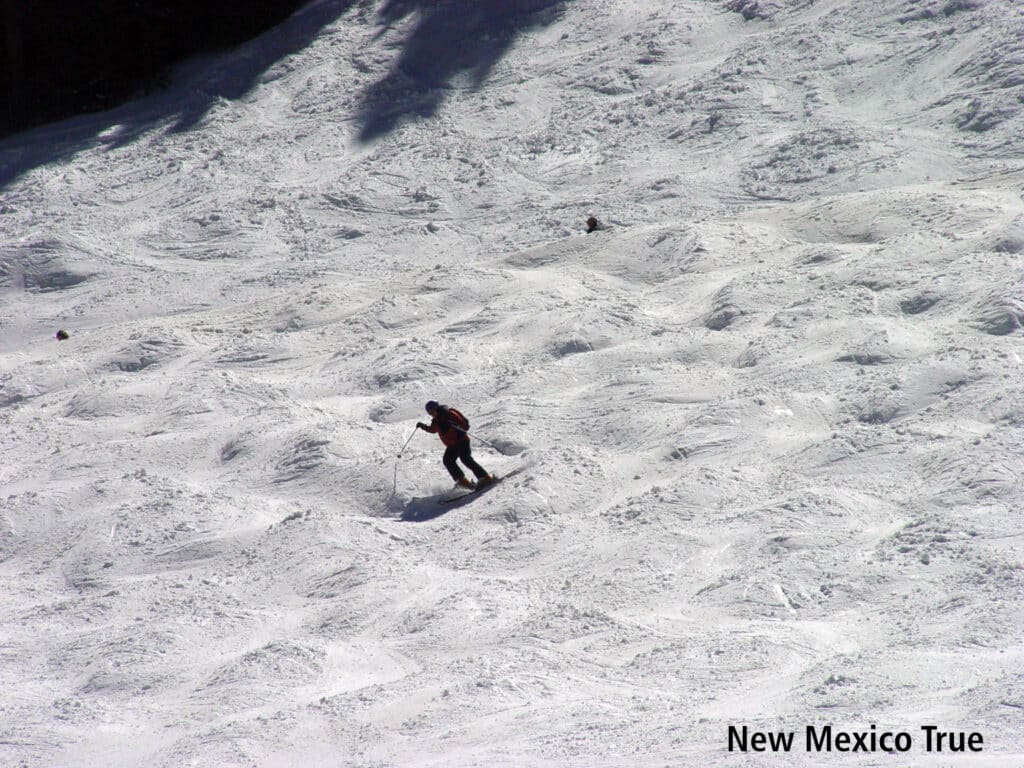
column 59, row 58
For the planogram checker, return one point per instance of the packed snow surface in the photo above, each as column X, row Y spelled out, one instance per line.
column 761, row 432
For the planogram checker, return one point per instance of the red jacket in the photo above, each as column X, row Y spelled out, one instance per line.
column 449, row 425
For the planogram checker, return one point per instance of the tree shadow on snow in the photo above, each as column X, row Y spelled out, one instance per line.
column 449, row 38
column 201, row 84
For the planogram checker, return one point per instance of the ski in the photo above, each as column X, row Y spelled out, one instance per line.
column 473, row 492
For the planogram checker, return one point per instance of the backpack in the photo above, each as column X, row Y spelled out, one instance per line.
column 456, row 418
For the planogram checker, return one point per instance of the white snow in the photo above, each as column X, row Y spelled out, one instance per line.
column 763, row 432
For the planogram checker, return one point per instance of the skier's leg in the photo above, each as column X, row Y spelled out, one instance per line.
column 465, row 453
column 450, row 455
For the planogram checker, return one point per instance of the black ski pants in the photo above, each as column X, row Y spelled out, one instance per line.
column 461, row 451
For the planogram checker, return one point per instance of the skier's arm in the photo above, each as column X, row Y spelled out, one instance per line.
column 431, row 427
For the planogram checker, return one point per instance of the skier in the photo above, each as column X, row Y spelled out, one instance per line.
column 450, row 425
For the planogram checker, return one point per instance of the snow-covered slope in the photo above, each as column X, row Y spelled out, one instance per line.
column 762, row 432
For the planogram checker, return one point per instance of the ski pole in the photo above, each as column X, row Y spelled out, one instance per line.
column 394, row 485
column 469, row 434
column 408, row 441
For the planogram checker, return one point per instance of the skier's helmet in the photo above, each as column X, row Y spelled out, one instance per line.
column 431, row 406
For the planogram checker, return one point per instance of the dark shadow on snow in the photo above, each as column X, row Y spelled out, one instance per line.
column 423, row 510
column 448, row 38
column 432, row 507
column 202, row 83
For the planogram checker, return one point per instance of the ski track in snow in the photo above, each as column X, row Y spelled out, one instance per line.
column 765, row 427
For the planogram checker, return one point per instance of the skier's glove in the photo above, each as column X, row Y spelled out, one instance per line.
column 420, row 425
